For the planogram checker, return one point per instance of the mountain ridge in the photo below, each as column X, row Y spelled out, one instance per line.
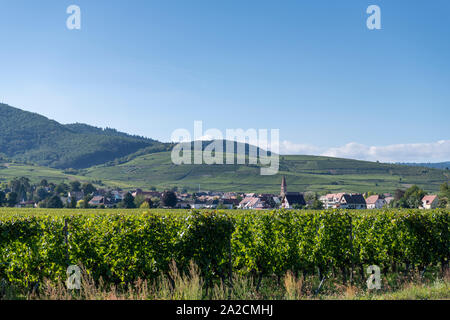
column 30, row 137
column 436, row 165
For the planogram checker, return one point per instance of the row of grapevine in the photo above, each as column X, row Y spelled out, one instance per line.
column 121, row 248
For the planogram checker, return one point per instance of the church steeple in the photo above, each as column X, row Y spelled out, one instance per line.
column 283, row 187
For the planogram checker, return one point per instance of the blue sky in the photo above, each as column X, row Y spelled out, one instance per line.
column 309, row 68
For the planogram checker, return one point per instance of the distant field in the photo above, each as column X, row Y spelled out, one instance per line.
column 303, row 173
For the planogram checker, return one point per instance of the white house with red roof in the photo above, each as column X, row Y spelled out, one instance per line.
column 343, row 201
column 331, row 200
column 375, row 202
column 430, row 202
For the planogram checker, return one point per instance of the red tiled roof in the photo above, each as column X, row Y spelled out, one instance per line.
column 429, row 199
column 372, row 199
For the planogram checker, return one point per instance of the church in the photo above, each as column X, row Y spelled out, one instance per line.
column 290, row 200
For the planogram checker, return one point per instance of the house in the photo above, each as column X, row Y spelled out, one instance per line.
column 292, row 199
column 147, row 194
column 430, row 202
column 343, row 201
column 352, row 201
column 331, row 200
column 375, row 202
column 245, row 201
column 253, row 202
column 277, row 201
column 26, row 204
column 229, row 203
column 212, row 204
column 117, row 196
column 99, row 201
column 183, row 196
column 198, row 204
column 389, row 199
column 183, row 205
column 288, row 199
column 229, row 195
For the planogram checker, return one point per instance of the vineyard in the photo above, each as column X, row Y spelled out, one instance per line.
column 121, row 246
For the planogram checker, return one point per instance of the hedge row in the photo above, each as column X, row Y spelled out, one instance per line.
column 121, row 248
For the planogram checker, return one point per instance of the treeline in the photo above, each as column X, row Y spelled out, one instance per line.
column 45, row 194
column 20, row 191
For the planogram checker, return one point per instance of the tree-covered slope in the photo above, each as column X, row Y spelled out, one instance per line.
column 30, row 137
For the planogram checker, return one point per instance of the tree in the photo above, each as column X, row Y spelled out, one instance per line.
column 138, row 200
column 73, row 203
column 270, row 202
column 12, row 199
column 128, row 201
column 317, row 205
column 413, row 196
column 2, row 198
column 147, row 204
column 20, row 186
column 54, row 202
column 62, row 188
column 444, row 195
column 75, row 186
column 155, row 202
column 88, row 188
column 41, row 193
column 398, row 194
column 169, row 199
column 309, row 196
column 410, row 198
column 81, row 204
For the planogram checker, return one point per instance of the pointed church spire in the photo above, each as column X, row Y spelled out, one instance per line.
column 283, row 187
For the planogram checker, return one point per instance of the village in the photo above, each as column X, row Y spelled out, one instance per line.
column 20, row 193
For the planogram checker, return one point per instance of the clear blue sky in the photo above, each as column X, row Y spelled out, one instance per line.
column 310, row 68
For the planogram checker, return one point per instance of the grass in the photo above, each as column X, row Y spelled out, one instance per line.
column 303, row 173
column 191, row 286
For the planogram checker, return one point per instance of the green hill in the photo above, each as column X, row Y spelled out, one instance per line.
column 30, row 137
column 31, row 144
column 303, row 173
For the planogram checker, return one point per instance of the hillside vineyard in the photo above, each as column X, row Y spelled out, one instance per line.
column 122, row 247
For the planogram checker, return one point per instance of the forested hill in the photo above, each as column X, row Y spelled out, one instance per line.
column 30, row 137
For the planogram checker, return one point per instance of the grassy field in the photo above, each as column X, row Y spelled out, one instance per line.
column 36, row 173
column 303, row 173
